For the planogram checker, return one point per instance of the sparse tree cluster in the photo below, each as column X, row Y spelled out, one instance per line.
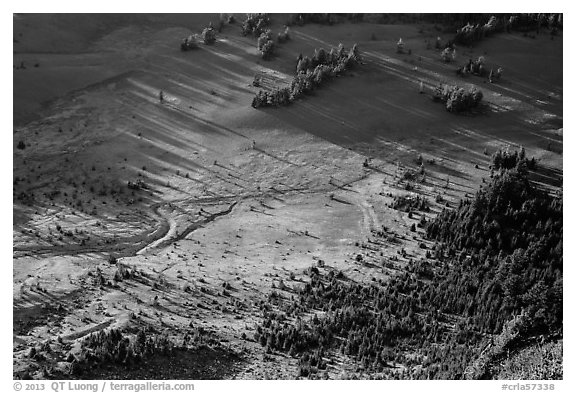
column 323, row 19
column 409, row 203
column 302, row 19
column 266, row 44
column 530, row 22
column 458, row 99
column 209, row 35
column 310, row 74
column 502, row 160
column 255, row 24
column 472, row 33
column 137, row 185
column 478, row 68
column 473, row 67
column 114, row 347
column 276, row 97
column 469, row 34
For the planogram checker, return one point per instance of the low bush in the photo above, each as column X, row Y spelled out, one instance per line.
column 209, row 35
column 188, row 43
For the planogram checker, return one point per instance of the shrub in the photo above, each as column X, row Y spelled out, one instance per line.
column 446, row 55
column 188, row 44
column 284, row 36
column 438, row 43
column 266, row 45
column 255, row 24
column 264, row 37
column 475, row 67
column 209, row 35
column 400, row 46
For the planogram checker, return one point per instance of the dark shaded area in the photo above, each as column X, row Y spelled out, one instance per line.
column 26, row 319
column 202, row 363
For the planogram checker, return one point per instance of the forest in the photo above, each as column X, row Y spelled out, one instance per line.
column 494, row 276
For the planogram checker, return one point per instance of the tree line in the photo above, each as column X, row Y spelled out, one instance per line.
column 456, row 98
column 310, row 74
column 475, row 30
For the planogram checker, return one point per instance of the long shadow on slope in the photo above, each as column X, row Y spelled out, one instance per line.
column 547, row 175
column 371, row 108
column 331, row 119
column 186, row 364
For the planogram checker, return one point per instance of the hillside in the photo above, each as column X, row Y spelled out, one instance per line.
column 192, row 220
